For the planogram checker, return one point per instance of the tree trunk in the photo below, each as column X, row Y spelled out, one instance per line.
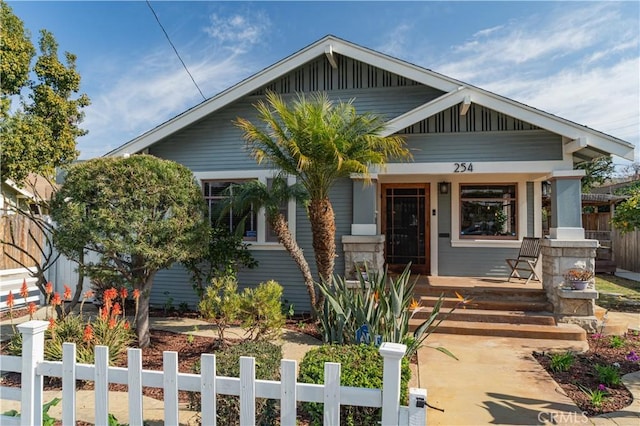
column 281, row 229
column 142, row 315
column 323, row 228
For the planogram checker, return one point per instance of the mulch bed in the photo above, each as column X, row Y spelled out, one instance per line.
column 583, row 374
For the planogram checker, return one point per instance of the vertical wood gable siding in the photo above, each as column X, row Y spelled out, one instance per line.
column 477, row 119
column 319, row 75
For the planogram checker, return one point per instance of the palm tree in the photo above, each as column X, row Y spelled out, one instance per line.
column 319, row 141
column 256, row 194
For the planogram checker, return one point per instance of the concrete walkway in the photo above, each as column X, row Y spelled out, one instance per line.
column 495, row 381
column 635, row 276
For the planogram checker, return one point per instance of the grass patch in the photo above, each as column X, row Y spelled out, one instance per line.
column 606, row 283
column 617, row 293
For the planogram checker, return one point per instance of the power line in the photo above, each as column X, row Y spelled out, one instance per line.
column 175, row 50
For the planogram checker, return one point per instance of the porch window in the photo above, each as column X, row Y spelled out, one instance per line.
column 488, row 211
column 214, row 193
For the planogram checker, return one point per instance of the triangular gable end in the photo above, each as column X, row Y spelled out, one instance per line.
column 315, row 68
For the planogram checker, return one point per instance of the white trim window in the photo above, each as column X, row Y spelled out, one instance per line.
column 214, row 192
column 488, row 211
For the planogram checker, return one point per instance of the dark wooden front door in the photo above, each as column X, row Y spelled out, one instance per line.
column 405, row 224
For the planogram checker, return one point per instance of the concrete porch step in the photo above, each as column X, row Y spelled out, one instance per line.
column 492, row 316
column 483, row 292
column 489, row 304
column 529, row 331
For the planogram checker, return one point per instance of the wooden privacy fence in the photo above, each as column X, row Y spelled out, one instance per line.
column 626, row 249
column 33, row 368
column 20, row 226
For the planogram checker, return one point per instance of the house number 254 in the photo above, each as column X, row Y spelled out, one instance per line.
column 462, row 167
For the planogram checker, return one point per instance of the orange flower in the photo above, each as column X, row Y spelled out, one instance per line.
column 104, row 313
column 414, row 305
column 32, row 308
column 56, row 299
column 88, row 333
column 67, row 292
column 116, row 310
column 376, row 296
column 49, row 288
column 125, row 325
column 88, row 294
column 110, row 294
column 123, row 293
column 52, row 323
column 136, row 294
column 24, row 290
column 112, row 323
column 10, row 300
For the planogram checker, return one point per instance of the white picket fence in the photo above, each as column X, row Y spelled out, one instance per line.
column 33, row 368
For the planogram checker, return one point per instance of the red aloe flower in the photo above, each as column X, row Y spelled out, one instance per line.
column 56, row 299
column 32, row 308
column 88, row 333
column 49, row 288
column 88, row 294
column 125, row 325
column 136, row 294
column 116, row 310
column 24, row 290
column 104, row 313
column 110, row 294
column 52, row 323
column 112, row 323
column 10, row 300
column 123, row 293
column 67, row 292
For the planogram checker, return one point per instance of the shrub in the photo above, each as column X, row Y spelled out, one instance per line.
column 561, row 361
column 608, row 374
column 384, row 304
column 262, row 309
column 221, row 303
column 268, row 357
column 362, row 366
column 107, row 329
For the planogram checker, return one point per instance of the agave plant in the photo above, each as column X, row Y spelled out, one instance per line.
column 384, row 304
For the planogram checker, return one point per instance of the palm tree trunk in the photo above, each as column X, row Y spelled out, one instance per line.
column 281, row 229
column 323, row 227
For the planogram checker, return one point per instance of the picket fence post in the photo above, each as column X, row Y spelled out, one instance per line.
column 32, row 354
column 392, row 354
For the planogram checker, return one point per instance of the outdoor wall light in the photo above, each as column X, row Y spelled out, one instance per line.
column 443, row 187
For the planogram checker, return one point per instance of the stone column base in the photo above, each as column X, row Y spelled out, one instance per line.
column 360, row 249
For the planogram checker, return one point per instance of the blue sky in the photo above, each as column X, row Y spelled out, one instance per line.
column 579, row 60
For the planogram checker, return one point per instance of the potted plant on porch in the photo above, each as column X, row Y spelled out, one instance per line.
column 578, row 278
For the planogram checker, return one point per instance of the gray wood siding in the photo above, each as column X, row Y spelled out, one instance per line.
column 533, row 145
column 272, row 264
column 215, row 143
column 473, row 261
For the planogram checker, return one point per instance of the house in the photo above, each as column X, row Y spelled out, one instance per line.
column 461, row 207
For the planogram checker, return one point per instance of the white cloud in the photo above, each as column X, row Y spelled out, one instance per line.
column 238, row 31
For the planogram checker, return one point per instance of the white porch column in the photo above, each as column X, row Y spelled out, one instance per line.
column 364, row 207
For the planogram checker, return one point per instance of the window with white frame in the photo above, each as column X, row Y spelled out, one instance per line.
column 214, row 192
column 488, row 211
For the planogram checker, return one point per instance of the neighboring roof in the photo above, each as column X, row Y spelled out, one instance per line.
column 611, row 188
column 585, row 142
column 600, row 199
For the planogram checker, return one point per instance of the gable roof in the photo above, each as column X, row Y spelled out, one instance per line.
column 584, row 142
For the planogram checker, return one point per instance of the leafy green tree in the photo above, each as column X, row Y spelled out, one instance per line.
column 41, row 134
column 272, row 199
column 627, row 214
column 319, row 141
column 597, row 172
column 139, row 214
